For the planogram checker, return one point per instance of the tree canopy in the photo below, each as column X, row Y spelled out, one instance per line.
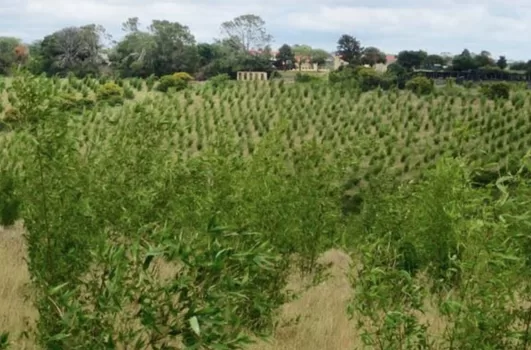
column 349, row 49
column 164, row 47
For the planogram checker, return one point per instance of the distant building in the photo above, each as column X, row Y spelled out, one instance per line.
column 382, row 67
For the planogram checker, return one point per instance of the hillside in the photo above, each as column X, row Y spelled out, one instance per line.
column 215, row 215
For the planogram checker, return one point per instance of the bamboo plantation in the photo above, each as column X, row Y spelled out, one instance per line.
column 176, row 220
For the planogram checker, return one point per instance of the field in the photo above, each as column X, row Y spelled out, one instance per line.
column 314, row 216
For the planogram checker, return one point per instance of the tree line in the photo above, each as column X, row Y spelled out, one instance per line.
column 165, row 47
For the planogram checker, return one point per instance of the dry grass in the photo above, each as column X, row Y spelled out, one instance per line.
column 323, row 323
column 16, row 312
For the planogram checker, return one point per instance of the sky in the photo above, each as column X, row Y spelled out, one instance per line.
column 501, row 27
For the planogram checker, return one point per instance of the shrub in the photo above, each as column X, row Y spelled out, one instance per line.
column 345, row 74
column 72, row 103
column 421, row 85
column 173, row 81
column 496, row 90
column 129, row 93
column 369, row 79
column 9, row 204
column 150, row 81
column 110, row 93
column 219, row 80
column 12, row 115
column 305, row 78
column 183, row 76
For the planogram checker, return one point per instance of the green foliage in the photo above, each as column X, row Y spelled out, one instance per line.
column 110, row 93
column 12, row 116
column 349, row 49
column 173, row 81
column 72, row 103
column 4, row 341
column 111, row 210
column 174, row 220
column 496, row 90
column 306, row 78
column 438, row 245
column 411, row 59
column 369, row 79
column 219, row 80
column 421, row 85
column 183, row 76
column 9, row 203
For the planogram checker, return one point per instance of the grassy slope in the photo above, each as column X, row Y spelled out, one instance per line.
column 404, row 131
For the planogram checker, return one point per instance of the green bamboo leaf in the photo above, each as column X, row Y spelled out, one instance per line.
column 58, row 288
column 194, row 323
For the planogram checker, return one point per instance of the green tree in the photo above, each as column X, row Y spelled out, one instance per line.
column 73, row 49
column 464, row 61
column 165, row 48
column 521, row 65
column 175, row 48
column 285, row 57
column 502, row 62
column 302, row 50
column 349, row 49
column 247, row 32
column 484, row 59
column 7, row 53
column 135, row 54
column 372, row 55
column 433, row 60
column 411, row 59
column 319, row 56
column 207, row 53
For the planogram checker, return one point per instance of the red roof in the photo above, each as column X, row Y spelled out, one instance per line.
column 390, row 59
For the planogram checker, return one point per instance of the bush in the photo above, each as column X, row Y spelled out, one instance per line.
column 9, row 204
column 72, row 103
column 183, row 76
column 346, row 74
column 369, row 79
column 110, row 93
column 305, row 78
column 12, row 115
column 219, row 80
column 173, row 81
column 150, row 81
column 496, row 90
column 129, row 93
column 421, row 85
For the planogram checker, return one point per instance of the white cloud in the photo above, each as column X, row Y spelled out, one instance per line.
column 501, row 27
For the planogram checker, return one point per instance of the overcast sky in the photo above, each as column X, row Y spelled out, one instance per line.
column 501, row 27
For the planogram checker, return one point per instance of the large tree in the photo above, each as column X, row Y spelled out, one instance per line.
column 165, row 48
column 285, row 57
column 73, row 49
column 8, row 55
column 349, row 49
column 464, row 61
column 521, row 66
column 502, row 62
column 135, row 54
column 433, row 60
column 175, row 47
column 484, row 59
column 319, row 56
column 411, row 59
column 372, row 56
column 247, row 32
